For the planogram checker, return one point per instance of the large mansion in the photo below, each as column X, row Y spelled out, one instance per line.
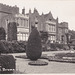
column 44, row 22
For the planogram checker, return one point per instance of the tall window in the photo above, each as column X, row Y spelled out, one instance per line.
column 23, row 37
column 27, row 37
column 27, row 23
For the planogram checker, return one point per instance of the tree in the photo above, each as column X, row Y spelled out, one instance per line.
column 44, row 36
column 68, row 40
column 12, row 31
column 34, row 48
column 2, row 33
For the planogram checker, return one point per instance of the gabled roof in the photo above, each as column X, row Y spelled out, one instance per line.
column 50, row 16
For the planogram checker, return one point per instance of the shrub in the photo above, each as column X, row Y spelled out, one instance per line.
column 34, row 48
column 2, row 47
column 12, row 31
column 11, row 47
column 5, row 47
column 16, row 47
column 56, row 46
column 2, row 34
column 4, row 59
column 74, row 48
column 22, row 44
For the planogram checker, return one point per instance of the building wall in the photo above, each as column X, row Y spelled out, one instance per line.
column 35, row 20
column 51, row 29
column 22, row 22
column 11, row 14
column 23, row 27
column 62, row 31
column 7, row 11
column 44, row 22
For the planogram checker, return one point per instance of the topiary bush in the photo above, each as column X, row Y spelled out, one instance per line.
column 2, row 33
column 12, row 31
column 7, row 61
column 34, row 47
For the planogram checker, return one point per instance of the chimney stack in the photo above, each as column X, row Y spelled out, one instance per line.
column 23, row 11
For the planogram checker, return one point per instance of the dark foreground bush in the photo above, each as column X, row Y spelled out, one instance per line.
column 34, row 47
column 7, row 62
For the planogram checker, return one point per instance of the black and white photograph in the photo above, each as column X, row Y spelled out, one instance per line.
column 37, row 36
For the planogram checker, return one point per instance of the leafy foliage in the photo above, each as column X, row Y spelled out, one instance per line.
column 2, row 33
column 72, row 32
column 33, row 49
column 44, row 36
column 12, row 31
column 4, row 59
column 11, row 47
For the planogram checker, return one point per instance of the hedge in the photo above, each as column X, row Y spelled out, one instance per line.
column 12, row 47
column 54, row 47
column 7, row 62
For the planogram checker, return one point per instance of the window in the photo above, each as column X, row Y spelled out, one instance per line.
column 22, row 22
column 66, row 30
column 27, row 23
column 54, row 28
column 19, row 36
column 51, row 37
column 19, row 21
column 23, row 36
column 16, row 20
column 26, row 37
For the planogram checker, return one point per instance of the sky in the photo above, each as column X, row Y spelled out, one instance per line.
column 63, row 9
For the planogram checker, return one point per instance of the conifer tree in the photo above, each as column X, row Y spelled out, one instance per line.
column 34, row 47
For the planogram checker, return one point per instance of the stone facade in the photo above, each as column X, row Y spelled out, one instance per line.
column 62, row 31
column 11, row 14
column 23, row 27
column 7, row 11
column 46, row 22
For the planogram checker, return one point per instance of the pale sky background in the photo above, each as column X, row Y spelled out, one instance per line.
column 63, row 9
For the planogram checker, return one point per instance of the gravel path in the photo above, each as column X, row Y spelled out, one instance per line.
column 52, row 67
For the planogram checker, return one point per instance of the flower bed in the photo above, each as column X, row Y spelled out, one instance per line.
column 63, row 57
